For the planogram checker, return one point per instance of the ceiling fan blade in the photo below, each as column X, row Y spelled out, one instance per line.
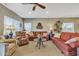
column 34, row 7
column 35, row 4
column 40, row 5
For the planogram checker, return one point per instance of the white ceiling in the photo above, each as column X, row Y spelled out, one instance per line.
column 53, row 10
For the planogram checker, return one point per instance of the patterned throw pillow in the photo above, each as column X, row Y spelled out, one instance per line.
column 72, row 40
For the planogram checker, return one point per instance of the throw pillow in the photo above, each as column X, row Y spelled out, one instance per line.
column 72, row 40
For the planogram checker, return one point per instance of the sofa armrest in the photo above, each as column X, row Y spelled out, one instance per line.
column 9, row 41
column 55, row 38
column 74, row 44
column 68, row 48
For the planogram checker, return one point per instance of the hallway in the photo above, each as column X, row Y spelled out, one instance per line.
column 31, row 50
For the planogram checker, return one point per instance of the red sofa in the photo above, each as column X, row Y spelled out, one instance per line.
column 66, row 49
column 35, row 33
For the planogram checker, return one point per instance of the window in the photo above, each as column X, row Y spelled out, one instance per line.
column 27, row 26
column 12, row 23
column 16, row 25
column 7, row 22
column 68, row 27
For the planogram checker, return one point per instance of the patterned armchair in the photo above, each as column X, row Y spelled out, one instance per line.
column 22, row 38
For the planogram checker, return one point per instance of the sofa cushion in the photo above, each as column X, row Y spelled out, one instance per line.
column 65, row 36
column 75, row 35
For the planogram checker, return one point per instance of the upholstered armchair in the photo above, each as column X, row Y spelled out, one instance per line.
column 22, row 41
column 22, row 38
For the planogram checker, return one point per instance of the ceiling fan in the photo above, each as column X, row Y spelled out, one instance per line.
column 35, row 5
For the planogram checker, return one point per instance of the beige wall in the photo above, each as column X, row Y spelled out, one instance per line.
column 46, row 22
column 6, row 12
